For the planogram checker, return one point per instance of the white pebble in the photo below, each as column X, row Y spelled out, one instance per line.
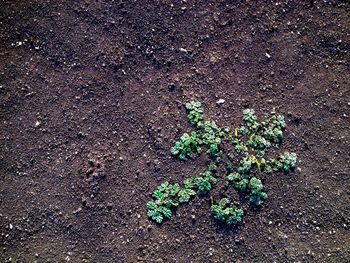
column 220, row 101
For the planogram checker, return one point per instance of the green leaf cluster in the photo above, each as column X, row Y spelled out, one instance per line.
column 195, row 112
column 245, row 169
column 239, row 181
column 240, row 147
column 257, row 195
column 205, row 182
column 168, row 196
column 187, row 145
column 254, row 137
column 227, row 212
column 211, row 136
column 251, row 120
column 206, row 133
column 251, row 141
column 253, row 186
column 188, row 191
column 165, row 197
column 273, row 128
column 246, row 164
column 286, row 162
column 258, row 142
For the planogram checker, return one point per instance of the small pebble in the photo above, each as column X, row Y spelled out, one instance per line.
column 220, row 101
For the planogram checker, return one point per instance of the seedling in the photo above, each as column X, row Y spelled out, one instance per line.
column 205, row 183
column 245, row 170
column 195, row 113
column 240, row 182
column 226, row 212
column 187, row 145
column 273, row 128
column 165, row 198
column 206, row 133
column 188, row 191
column 251, row 120
column 286, row 162
column 257, row 195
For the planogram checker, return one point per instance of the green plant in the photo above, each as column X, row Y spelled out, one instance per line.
column 195, row 112
column 187, row 145
column 188, row 191
column 164, row 199
column 240, row 182
column 206, row 133
column 286, row 162
column 273, row 128
column 257, row 195
column 250, row 119
column 251, row 142
column 226, row 212
column 205, row 183
column 244, row 168
column 246, row 164
column 212, row 137
column 258, row 142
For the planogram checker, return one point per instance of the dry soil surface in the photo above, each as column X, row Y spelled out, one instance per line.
column 91, row 101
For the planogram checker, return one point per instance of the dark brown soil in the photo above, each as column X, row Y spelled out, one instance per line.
column 91, row 101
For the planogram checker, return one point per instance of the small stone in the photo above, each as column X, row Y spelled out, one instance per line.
column 89, row 171
column 37, row 123
column 220, row 101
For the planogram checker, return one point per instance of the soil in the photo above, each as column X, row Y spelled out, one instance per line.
column 91, row 101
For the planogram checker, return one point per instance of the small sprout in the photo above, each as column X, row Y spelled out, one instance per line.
column 212, row 136
column 242, row 131
column 187, row 145
column 268, row 169
column 206, row 133
column 155, row 212
column 240, row 182
column 165, row 198
column 226, row 212
column 185, row 195
column 213, row 167
column 205, row 183
column 196, row 112
column 257, row 195
column 258, row 142
column 239, row 147
column 273, row 128
column 188, row 191
column 246, row 164
column 286, row 161
column 250, row 119
column 218, row 159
